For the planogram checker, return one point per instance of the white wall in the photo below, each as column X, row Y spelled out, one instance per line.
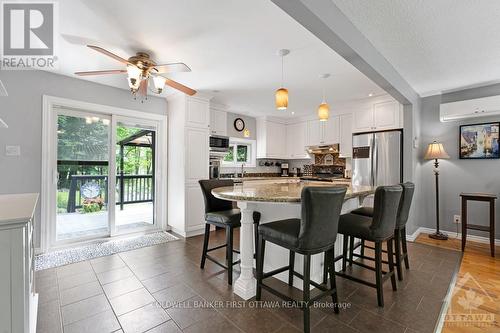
column 22, row 111
column 456, row 175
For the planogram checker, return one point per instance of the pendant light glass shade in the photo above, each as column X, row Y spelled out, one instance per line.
column 281, row 97
column 323, row 112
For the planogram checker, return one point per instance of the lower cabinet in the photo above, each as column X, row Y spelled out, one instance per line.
column 195, row 208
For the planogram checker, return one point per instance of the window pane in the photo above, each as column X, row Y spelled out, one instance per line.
column 242, row 153
column 230, row 154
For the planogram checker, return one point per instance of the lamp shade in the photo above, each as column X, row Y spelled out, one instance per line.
column 323, row 112
column 281, row 99
column 436, row 151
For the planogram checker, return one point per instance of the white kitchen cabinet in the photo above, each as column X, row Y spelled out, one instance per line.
column 271, row 139
column 197, row 114
column 296, row 141
column 195, row 211
column 380, row 116
column 188, row 159
column 323, row 132
column 345, row 123
column 18, row 301
column 197, row 154
column 218, row 122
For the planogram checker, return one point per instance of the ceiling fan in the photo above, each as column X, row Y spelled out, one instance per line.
column 140, row 68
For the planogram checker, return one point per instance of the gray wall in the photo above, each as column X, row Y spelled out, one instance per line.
column 456, row 175
column 22, row 111
column 250, row 123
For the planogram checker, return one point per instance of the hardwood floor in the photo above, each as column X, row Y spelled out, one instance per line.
column 475, row 302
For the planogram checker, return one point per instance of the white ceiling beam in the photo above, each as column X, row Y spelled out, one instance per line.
column 327, row 22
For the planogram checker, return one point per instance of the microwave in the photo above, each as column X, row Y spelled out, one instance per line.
column 219, row 143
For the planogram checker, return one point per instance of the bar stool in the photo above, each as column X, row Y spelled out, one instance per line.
column 377, row 229
column 314, row 232
column 399, row 231
column 221, row 213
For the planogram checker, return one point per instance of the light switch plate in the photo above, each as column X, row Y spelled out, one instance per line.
column 12, row 150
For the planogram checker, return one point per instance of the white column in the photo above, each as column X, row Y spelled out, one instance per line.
column 245, row 285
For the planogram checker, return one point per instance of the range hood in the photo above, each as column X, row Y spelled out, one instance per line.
column 323, row 149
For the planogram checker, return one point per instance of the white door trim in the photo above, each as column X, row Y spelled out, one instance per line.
column 49, row 144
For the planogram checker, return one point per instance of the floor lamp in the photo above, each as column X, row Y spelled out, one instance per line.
column 435, row 151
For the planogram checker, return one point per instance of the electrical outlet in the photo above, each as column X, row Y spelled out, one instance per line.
column 456, row 219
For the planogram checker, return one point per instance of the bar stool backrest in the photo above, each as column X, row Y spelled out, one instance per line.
column 213, row 204
column 321, row 207
column 385, row 210
column 405, row 204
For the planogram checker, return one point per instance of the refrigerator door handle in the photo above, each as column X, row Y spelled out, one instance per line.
column 373, row 160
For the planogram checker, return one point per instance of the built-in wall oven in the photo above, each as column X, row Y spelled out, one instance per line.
column 219, row 146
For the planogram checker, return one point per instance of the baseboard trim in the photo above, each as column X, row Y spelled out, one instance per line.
column 451, row 234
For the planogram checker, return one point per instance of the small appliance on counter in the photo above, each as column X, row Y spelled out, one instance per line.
column 284, row 170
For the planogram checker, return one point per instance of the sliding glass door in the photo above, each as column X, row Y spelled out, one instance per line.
column 135, row 175
column 83, row 150
column 106, row 167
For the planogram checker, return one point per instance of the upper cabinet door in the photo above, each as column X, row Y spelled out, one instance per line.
column 345, row 135
column 386, row 115
column 331, row 130
column 197, row 113
column 218, row 122
column 296, row 140
column 363, row 120
column 314, row 133
column 276, row 140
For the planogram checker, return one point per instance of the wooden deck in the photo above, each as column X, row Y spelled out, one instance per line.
column 77, row 225
column 475, row 303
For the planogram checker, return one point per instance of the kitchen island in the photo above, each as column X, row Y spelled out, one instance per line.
column 277, row 200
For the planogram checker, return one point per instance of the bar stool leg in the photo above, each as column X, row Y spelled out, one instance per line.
column 344, row 252
column 378, row 273
column 390, row 259
column 397, row 242
column 405, row 250
column 351, row 249
column 362, row 247
column 291, row 263
column 205, row 245
column 260, row 266
column 333, row 283
column 306, row 292
column 229, row 254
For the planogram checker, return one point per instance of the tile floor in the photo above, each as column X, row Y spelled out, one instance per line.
column 161, row 288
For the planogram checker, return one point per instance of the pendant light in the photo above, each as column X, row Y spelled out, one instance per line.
column 324, row 109
column 281, row 95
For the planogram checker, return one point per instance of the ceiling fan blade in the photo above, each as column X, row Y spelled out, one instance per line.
column 180, row 87
column 172, row 68
column 111, row 71
column 109, row 54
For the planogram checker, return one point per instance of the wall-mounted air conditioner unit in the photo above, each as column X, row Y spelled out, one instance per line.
column 472, row 108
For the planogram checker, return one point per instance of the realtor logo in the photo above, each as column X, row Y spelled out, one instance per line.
column 28, row 30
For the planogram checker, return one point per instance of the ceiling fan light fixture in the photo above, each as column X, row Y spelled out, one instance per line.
column 281, row 97
column 159, row 84
column 134, row 74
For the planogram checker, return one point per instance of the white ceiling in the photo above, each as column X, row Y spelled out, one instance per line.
column 436, row 45
column 229, row 45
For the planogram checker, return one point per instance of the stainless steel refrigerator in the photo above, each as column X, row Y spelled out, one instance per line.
column 377, row 158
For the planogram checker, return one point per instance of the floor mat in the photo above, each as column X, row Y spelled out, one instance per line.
column 99, row 249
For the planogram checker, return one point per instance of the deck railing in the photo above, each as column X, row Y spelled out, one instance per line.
column 130, row 189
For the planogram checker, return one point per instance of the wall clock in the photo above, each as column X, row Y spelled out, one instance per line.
column 239, row 124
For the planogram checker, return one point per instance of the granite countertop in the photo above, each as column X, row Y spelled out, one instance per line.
column 281, row 192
